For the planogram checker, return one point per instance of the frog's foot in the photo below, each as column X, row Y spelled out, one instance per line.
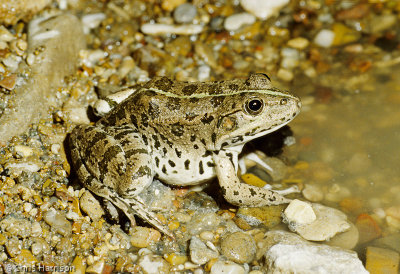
column 255, row 158
column 132, row 206
column 287, row 191
column 241, row 194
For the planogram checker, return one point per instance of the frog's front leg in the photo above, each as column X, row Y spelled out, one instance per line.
column 114, row 163
column 238, row 193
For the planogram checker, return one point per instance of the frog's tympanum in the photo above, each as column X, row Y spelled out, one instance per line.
column 181, row 133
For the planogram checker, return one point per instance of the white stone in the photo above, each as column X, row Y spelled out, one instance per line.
column 299, row 212
column 23, row 151
column 91, row 21
column 156, row 29
column 285, row 74
column 328, row 223
column 199, row 252
column 238, row 20
column 289, row 253
column 324, row 38
column 226, row 267
column 91, row 206
column 263, row 9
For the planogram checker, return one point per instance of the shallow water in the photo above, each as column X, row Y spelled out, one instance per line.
column 352, row 142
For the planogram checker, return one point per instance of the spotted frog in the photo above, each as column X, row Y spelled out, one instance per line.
column 181, row 133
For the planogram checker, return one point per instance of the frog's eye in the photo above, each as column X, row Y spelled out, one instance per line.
column 254, row 106
column 283, row 101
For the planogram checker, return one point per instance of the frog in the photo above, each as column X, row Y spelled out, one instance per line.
column 182, row 133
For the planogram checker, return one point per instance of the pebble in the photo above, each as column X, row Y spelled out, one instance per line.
column 152, row 264
column 158, row 29
column 20, row 227
column 170, row 5
column 57, row 221
column 203, row 222
column 313, row 193
column 263, row 9
column 269, row 216
column 96, row 267
column 226, row 267
column 290, row 58
column 328, row 222
column 382, row 23
column 239, row 247
column 144, row 236
column 23, row 151
column 238, row 20
column 344, row 35
column 11, row 11
column 299, row 43
column 91, row 21
column 289, row 253
column 25, row 258
column 347, row 239
column 324, row 38
column 91, row 206
column 5, row 34
column 285, row 74
column 185, row 13
column 299, row 212
column 13, row 246
column 199, row 252
column 380, row 260
column 9, row 81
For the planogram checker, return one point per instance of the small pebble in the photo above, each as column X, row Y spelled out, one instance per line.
column 199, row 252
column 91, row 206
column 299, row 43
column 324, row 38
column 58, row 222
column 313, row 193
column 239, row 247
column 152, row 264
column 5, row 34
column 185, row 13
column 23, row 151
column 263, row 9
column 144, row 236
column 299, row 212
column 236, row 21
column 227, row 267
column 157, row 29
column 285, row 75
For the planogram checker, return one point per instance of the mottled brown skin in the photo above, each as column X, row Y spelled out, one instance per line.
column 182, row 133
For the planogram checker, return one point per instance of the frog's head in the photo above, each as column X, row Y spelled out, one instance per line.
column 254, row 111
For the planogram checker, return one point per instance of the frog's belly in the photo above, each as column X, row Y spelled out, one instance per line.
column 186, row 172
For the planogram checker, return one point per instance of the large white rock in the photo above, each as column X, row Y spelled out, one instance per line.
column 263, row 9
column 322, row 226
column 289, row 253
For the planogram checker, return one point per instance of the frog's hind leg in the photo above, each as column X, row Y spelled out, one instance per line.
column 114, row 164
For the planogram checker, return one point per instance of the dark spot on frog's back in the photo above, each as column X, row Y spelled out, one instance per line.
column 154, row 110
column 145, row 120
column 207, row 119
column 177, row 129
column 173, row 104
column 217, row 101
column 189, row 89
column 163, row 83
column 234, row 87
column 215, row 89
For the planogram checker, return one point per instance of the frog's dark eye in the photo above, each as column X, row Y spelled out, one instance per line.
column 283, row 101
column 254, row 106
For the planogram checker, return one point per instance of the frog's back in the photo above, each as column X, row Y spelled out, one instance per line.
column 165, row 84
